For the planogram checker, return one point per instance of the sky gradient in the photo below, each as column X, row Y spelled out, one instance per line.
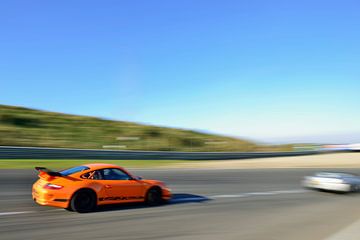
column 272, row 71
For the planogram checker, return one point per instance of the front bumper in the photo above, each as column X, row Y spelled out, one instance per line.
column 166, row 194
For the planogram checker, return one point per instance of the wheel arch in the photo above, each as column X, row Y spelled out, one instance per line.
column 154, row 187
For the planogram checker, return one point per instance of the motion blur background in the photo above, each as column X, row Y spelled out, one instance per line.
column 166, row 83
column 267, row 72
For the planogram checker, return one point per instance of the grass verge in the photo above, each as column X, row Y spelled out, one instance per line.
column 66, row 163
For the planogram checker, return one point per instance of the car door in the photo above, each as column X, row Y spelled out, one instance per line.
column 121, row 187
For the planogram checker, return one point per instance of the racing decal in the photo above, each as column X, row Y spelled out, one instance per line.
column 121, row 198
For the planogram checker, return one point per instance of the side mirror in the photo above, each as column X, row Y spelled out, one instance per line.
column 138, row 178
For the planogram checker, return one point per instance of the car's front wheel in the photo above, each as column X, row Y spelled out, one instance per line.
column 83, row 201
column 355, row 188
column 154, row 196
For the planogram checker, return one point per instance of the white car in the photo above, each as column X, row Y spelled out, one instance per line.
column 354, row 147
column 333, row 181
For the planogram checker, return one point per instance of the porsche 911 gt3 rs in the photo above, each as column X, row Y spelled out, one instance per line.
column 83, row 188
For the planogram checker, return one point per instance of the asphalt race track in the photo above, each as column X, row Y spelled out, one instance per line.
column 208, row 204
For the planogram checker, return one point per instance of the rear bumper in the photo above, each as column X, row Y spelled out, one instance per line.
column 47, row 198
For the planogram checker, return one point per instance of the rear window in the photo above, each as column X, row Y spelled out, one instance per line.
column 73, row 170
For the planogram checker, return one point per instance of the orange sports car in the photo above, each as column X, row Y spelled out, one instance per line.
column 83, row 188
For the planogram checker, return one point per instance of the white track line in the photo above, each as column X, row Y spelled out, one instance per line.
column 13, row 213
column 250, row 194
column 239, row 195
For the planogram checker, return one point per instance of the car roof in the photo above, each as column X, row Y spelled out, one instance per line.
column 334, row 174
column 94, row 166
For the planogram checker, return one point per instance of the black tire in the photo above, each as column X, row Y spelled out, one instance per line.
column 355, row 188
column 69, row 209
column 83, row 201
column 154, row 196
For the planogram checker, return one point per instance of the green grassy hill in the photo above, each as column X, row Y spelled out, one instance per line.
column 28, row 127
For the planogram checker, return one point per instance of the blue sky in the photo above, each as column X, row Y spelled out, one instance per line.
column 264, row 70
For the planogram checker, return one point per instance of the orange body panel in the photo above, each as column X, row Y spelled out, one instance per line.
column 107, row 191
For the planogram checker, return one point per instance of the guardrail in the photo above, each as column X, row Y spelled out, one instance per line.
column 68, row 153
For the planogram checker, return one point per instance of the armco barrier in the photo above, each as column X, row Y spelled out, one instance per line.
column 67, row 153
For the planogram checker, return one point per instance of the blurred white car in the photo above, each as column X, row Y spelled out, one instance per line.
column 354, row 147
column 333, row 181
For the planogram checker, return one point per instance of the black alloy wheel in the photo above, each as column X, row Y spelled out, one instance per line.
column 83, row 201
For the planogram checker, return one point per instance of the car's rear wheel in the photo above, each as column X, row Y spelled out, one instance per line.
column 83, row 201
column 154, row 196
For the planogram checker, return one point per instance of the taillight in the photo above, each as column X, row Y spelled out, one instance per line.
column 52, row 186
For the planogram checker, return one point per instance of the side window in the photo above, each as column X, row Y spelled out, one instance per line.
column 114, row 174
column 95, row 175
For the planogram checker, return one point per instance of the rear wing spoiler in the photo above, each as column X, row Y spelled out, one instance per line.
column 47, row 172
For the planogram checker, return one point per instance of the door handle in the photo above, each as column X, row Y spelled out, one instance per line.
column 107, row 186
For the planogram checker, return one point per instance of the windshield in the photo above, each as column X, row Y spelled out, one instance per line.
column 73, row 170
